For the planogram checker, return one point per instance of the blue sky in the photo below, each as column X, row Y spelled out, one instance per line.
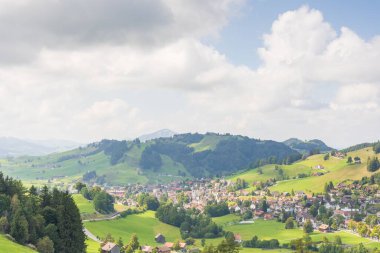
column 243, row 35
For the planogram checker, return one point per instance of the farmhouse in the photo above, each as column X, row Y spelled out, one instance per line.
column 324, row 228
column 160, row 238
column 238, row 238
column 147, row 249
column 319, row 167
column 163, row 249
column 110, row 247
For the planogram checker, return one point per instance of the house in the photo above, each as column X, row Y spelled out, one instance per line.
column 110, row 247
column 324, row 228
column 147, row 249
column 160, row 238
column 238, row 238
column 171, row 245
column 194, row 250
column 319, row 167
column 163, row 249
column 268, row 216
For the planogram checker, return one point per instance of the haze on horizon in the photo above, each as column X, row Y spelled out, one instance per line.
column 92, row 69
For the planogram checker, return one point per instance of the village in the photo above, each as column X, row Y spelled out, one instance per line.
column 348, row 206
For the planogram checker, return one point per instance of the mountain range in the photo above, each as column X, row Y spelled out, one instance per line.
column 10, row 146
column 158, row 158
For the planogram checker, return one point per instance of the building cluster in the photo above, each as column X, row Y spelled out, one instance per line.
column 344, row 202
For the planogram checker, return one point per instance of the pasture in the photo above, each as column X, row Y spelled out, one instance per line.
column 7, row 246
column 145, row 225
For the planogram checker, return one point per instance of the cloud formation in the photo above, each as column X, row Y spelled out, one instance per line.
column 81, row 70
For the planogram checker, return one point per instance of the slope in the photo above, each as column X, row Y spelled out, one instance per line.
column 7, row 246
column 316, row 172
column 156, row 161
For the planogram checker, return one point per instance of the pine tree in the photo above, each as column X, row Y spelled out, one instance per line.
column 134, row 243
column 19, row 227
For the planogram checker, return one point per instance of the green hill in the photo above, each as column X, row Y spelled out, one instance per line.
column 302, row 175
column 305, row 147
column 156, row 161
column 7, row 246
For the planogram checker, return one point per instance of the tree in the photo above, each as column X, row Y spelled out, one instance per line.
column 45, row 245
column 338, row 240
column 289, row 224
column 263, row 205
column 176, row 246
column 373, row 164
column 308, row 227
column 376, row 147
column 349, row 160
column 326, row 156
column 78, row 186
column 133, row 243
column 19, row 228
column 103, row 202
column 4, row 225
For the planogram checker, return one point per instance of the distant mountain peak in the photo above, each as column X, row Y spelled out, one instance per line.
column 163, row 133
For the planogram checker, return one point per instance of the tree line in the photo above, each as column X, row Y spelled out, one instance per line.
column 48, row 219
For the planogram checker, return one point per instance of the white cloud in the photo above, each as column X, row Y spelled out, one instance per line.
column 313, row 80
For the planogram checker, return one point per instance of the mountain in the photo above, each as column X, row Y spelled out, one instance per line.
column 164, row 133
column 305, row 147
column 155, row 161
column 10, row 146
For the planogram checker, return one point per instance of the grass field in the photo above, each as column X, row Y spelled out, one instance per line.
column 247, row 250
column 145, row 225
column 92, row 246
column 7, row 246
column 209, row 142
column 276, row 230
column 335, row 169
column 85, row 206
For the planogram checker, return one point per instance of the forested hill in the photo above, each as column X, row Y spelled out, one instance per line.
column 307, row 147
column 160, row 160
column 214, row 154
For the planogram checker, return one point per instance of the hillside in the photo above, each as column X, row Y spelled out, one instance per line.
column 306, row 147
column 7, row 245
column 311, row 174
column 155, row 161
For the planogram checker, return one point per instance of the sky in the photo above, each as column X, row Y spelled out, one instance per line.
column 86, row 70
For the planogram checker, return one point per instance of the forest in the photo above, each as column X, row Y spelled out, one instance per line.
column 49, row 220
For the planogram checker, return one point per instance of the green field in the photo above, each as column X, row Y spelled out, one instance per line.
column 335, row 169
column 92, row 246
column 7, row 246
column 85, row 206
column 276, row 230
column 145, row 225
column 248, row 250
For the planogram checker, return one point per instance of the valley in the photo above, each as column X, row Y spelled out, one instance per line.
column 333, row 189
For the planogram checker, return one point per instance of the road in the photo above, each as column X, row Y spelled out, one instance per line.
column 113, row 216
column 91, row 235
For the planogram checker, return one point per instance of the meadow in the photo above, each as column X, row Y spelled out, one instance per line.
column 92, row 246
column 276, row 230
column 335, row 170
column 145, row 225
column 7, row 246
